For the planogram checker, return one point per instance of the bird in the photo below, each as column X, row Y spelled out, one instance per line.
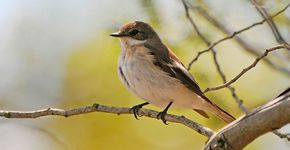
column 150, row 70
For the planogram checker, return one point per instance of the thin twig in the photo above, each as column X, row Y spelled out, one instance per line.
column 238, row 100
column 193, row 23
column 107, row 109
column 217, row 65
column 242, row 42
column 262, row 11
column 247, row 68
column 233, row 34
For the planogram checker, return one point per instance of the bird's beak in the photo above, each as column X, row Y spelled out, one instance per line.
column 117, row 34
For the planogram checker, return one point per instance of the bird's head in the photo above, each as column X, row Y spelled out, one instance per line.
column 136, row 33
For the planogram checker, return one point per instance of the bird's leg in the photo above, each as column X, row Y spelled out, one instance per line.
column 161, row 115
column 135, row 109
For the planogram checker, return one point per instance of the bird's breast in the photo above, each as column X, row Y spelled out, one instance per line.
column 138, row 72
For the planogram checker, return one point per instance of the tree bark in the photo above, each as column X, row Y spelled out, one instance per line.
column 236, row 135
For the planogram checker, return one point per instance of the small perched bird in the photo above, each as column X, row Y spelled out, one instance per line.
column 153, row 72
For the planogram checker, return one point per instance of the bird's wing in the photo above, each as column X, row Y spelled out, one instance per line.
column 170, row 64
column 187, row 79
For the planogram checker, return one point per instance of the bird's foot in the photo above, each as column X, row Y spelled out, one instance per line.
column 161, row 115
column 135, row 110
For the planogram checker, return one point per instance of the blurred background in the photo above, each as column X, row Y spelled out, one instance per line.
column 58, row 54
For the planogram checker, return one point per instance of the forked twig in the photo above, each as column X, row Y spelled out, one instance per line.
column 248, row 68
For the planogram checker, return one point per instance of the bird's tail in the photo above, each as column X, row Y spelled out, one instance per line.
column 222, row 114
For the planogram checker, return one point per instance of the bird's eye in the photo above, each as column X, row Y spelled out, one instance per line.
column 133, row 32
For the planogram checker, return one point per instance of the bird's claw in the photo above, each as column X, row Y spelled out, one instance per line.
column 161, row 115
column 135, row 110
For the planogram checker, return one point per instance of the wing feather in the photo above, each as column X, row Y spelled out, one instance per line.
column 169, row 63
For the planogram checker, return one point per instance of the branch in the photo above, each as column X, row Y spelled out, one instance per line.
column 236, row 135
column 262, row 11
column 193, row 24
column 107, row 109
column 235, row 33
column 231, row 35
column 248, row 68
column 217, row 65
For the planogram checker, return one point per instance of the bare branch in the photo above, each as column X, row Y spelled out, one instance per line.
column 244, row 130
column 231, row 89
column 242, row 43
column 238, row 100
column 248, row 68
column 107, row 109
column 235, row 33
column 217, row 65
column 193, row 23
column 262, row 11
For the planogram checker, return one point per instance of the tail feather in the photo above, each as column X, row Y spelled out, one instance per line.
column 201, row 112
column 225, row 116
